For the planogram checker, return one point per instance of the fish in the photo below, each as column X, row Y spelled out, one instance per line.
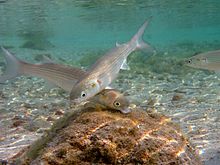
column 60, row 75
column 112, row 99
column 101, row 74
column 64, row 77
column 208, row 60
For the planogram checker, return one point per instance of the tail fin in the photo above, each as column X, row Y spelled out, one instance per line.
column 13, row 67
column 137, row 39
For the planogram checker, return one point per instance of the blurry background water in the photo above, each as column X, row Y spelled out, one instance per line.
column 90, row 25
column 77, row 32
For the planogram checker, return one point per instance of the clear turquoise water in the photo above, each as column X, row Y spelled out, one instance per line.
column 76, row 32
column 92, row 25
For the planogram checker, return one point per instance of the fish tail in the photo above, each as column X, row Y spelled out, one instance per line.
column 137, row 39
column 13, row 66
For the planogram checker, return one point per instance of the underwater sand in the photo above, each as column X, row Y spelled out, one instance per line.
column 29, row 106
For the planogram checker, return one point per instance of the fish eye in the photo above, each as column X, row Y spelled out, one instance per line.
column 83, row 94
column 117, row 104
column 189, row 61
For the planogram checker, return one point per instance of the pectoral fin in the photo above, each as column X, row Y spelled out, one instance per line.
column 124, row 65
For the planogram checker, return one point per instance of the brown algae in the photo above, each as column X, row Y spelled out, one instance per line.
column 105, row 137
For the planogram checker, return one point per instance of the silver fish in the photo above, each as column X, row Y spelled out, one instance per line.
column 106, row 69
column 62, row 76
column 208, row 60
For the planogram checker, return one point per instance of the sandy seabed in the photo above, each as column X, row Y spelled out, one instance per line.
column 28, row 107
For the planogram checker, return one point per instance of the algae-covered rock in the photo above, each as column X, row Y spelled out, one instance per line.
column 104, row 137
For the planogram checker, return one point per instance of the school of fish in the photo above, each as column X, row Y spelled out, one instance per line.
column 83, row 85
column 64, row 77
column 92, row 84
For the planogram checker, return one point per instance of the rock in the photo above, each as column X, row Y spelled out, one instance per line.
column 17, row 123
column 50, row 118
column 2, row 138
column 59, row 112
column 41, row 122
column 38, row 123
column 17, row 117
column 177, row 97
column 151, row 102
column 104, row 137
column 2, row 96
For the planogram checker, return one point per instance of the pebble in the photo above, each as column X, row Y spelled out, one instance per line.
column 50, row 118
column 17, row 123
column 59, row 112
column 41, row 123
column 177, row 97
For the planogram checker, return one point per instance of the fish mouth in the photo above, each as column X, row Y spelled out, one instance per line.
column 126, row 110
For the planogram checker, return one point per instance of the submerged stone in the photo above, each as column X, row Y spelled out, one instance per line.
column 104, row 137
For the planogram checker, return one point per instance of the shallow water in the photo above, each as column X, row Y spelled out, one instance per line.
column 77, row 33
